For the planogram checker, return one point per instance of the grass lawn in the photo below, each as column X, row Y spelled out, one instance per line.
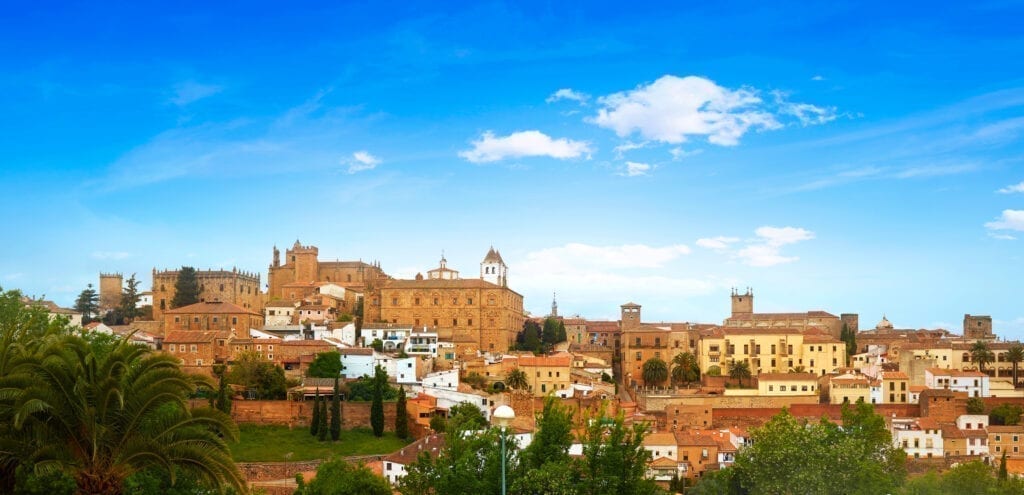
column 278, row 443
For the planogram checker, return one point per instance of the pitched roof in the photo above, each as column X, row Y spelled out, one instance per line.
column 431, row 444
column 209, row 307
column 556, row 360
column 894, row 375
column 778, row 316
column 194, row 336
column 956, row 373
column 662, row 438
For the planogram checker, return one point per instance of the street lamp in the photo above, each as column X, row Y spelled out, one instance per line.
column 503, row 417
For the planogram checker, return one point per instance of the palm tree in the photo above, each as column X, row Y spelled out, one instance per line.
column 798, row 369
column 103, row 418
column 981, row 354
column 1015, row 354
column 684, row 368
column 738, row 370
column 655, row 371
column 517, row 379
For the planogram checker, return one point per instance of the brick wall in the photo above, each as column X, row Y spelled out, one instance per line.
column 293, row 413
column 755, row 417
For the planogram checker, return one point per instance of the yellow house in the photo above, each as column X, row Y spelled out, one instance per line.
column 547, row 374
column 775, row 350
column 787, row 384
column 849, row 388
column 895, row 387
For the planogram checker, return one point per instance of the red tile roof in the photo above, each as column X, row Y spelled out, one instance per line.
column 210, row 307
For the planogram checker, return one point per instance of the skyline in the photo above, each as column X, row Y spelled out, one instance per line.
column 849, row 158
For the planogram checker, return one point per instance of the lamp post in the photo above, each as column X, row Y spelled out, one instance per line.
column 503, row 417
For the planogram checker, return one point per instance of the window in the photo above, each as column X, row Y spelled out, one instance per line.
column 773, row 348
column 639, row 356
column 171, row 348
column 746, row 349
column 469, row 322
column 394, row 301
column 199, row 362
column 192, row 348
column 270, row 356
column 435, row 322
column 416, row 301
column 222, row 287
column 469, row 301
column 195, row 319
column 455, row 322
column 455, row 300
column 771, row 388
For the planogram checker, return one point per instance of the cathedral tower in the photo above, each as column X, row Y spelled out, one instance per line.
column 493, row 268
column 742, row 304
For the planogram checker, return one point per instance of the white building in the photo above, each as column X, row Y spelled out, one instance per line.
column 145, row 299
column 919, row 437
column 974, row 383
column 392, row 337
column 279, row 313
column 445, row 380
column 357, row 362
column 421, row 343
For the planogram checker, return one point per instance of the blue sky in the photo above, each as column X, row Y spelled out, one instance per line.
column 850, row 157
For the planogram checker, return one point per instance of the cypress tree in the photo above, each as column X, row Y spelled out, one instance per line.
column 401, row 417
column 314, row 424
column 335, row 413
column 186, row 288
column 1002, row 468
column 377, row 408
column 321, row 430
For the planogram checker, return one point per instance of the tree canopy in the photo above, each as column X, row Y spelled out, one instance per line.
column 88, row 303
column 655, row 371
column 259, row 376
column 186, row 288
column 337, row 477
column 326, row 365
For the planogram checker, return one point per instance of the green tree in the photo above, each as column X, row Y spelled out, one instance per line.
column 325, row 365
column 130, row 299
column 465, row 464
column 714, row 370
column 337, row 477
column 336, row 412
column 88, row 303
column 323, row 429
column 552, row 439
column 549, row 333
column 380, row 379
column 475, row 380
column 222, row 401
column 614, row 459
column 655, row 371
column 738, row 370
column 466, row 416
column 314, row 423
column 186, row 288
column 1015, row 354
column 516, row 379
column 259, row 376
column 103, row 419
column 1002, row 468
column 377, row 345
column 438, row 424
column 1005, row 414
column 401, row 416
column 981, row 355
column 685, row 369
column 975, row 406
column 529, row 339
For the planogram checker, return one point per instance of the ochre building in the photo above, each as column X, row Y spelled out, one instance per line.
column 236, row 287
column 296, row 278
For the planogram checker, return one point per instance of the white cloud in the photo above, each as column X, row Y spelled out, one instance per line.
column 673, row 108
column 1010, row 220
column 780, row 236
column 490, row 148
column 818, row 77
column 717, row 243
column 679, row 153
column 628, row 146
column 362, row 160
column 763, row 255
column 806, row 113
column 110, row 255
column 925, row 171
column 568, row 94
column 765, row 249
column 1016, row 188
column 634, row 169
column 191, row 91
column 1002, row 237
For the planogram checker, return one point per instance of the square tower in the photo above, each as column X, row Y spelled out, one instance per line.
column 742, row 304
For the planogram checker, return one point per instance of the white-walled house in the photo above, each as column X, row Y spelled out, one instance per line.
column 919, row 437
column 421, row 343
column 445, row 380
column 279, row 313
column 357, row 362
column 974, row 383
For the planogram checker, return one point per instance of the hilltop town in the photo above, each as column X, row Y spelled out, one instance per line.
column 700, row 387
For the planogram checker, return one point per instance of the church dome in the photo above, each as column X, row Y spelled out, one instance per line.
column 884, row 324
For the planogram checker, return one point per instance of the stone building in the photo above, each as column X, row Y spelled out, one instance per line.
column 743, row 316
column 644, row 341
column 297, row 276
column 199, row 350
column 472, row 310
column 236, row 287
column 771, row 350
column 978, row 327
column 110, row 290
column 213, row 315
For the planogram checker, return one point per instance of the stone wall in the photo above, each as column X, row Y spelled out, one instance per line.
column 298, row 413
column 755, row 417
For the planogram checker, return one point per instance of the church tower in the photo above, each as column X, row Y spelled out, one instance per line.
column 554, row 304
column 493, row 268
column 742, row 304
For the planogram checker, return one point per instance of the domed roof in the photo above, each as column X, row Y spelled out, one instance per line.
column 885, row 323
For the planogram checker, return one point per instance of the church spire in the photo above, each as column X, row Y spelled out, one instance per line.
column 554, row 304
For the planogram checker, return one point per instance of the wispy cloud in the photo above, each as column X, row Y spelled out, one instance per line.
column 1009, row 220
column 634, row 169
column 935, row 170
column 1002, row 237
column 765, row 250
column 1015, row 188
column 679, row 153
column 568, row 94
column 110, row 255
column 806, row 113
column 491, row 148
column 628, row 146
column 361, row 161
column 191, row 91
column 818, row 77
column 717, row 243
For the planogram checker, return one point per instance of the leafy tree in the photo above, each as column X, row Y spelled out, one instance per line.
column 337, row 477
column 714, row 370
column 738, row 370
column 322, row 429
column 257, row 374
column 88, row 303
column 1005, row 414
column 516, row 379
column 102, row 419
column 685, row 369
column 380, row 379
column 975, row 405
column 186, row 288
column 798, row 369
column 438, row 424
column 466, row 416
column 326, row 365
column 222, row 401
column 614, row 459
column 361, row 390
column 314, row 423
column 981, row 354
column 401, row 416
column 377, row 345
column 1015, row 354
column 336, row 412
column 465, row 464
column 529, row 339
column 475, row 380
column 1002, row 468
column 655, row 371
column 553, row 331
column 554, row 436
column 130, row 298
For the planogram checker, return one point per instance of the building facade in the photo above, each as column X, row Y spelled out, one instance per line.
column 302, row 269
column 236, row 287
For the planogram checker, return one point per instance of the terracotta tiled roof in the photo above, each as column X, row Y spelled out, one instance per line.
column 209, row 307
column 602, row 326
column 1006, row 428
column 761, row 331
column 563, row 359
column 689, row 439
column 660, row 439
column 663, row 462
column 357, row 351
column 956, row 373
column 894, row 375
column 279, row 303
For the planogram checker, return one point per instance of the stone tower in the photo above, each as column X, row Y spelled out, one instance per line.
column 742, row 304
column 554, row 304
column 493, row 268
column 304, row 258
column 630, row 316
column 110, row 290
column 852, row 321
column 978, row 327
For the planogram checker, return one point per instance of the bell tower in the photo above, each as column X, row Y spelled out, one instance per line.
column 742, row 304
column 493, row 268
